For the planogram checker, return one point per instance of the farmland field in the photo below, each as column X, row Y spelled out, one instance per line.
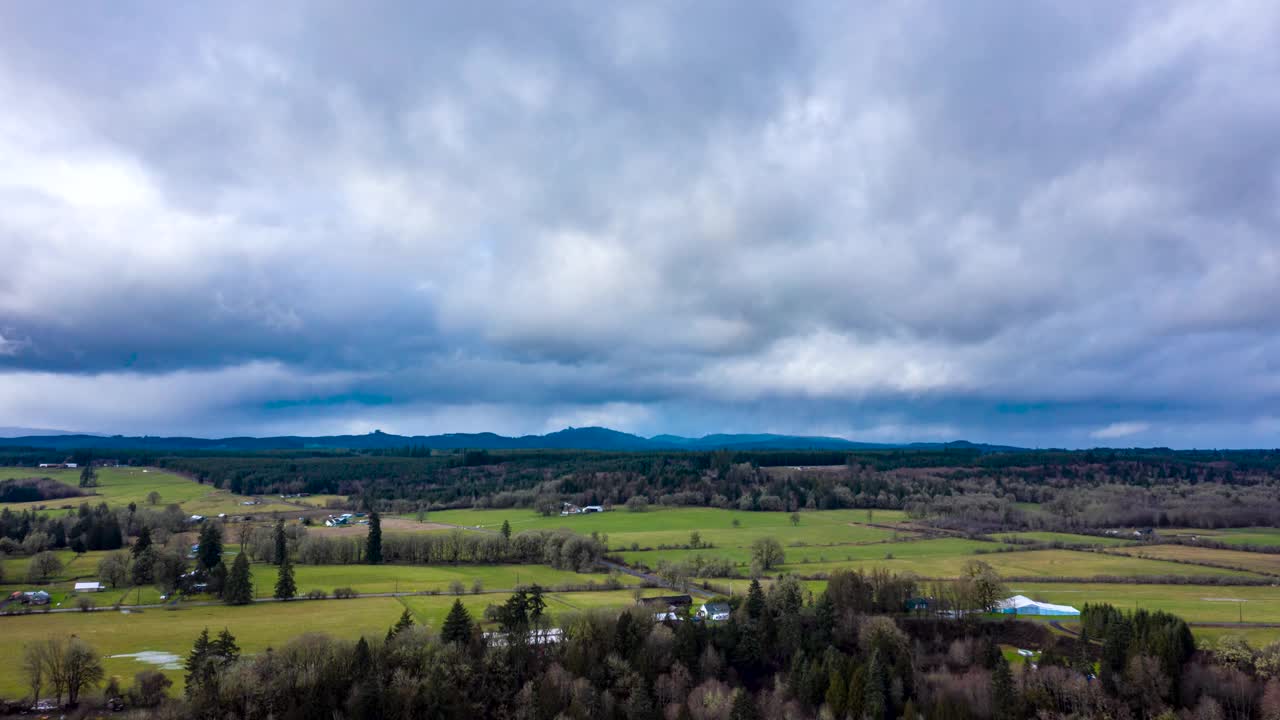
column 672, row 526
column 1193, row 603
column 799, row 559
column 1038, row 563
column 119, row 486
column 1265, row 563
column 1262, row 536
column 1066, row 538
column 256, row 626
column 414, row 578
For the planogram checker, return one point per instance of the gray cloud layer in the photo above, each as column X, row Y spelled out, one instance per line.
column 1000, row 221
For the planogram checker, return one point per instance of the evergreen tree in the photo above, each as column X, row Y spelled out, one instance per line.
column 367, row 703
column 457, row 626
column 744, row 707
column 1004, row 696
column 282, row 545
column 88, row 478
column 373, row 548
column 210, row 553
column 875, row 701
column 640, row 705
column 837, row 694
column 285, row 586
column 404, row 623
column 506, row 530
column 225, row 648
column 196, row 662
column 755, row 600
column 239, row 589
column 142, row 572
column 143, row 542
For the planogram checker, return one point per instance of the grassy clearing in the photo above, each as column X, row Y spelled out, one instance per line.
column 1193, row 603
column 1232, row 536
column 950, row 552
column 672, row 526
column 944, row 559
column 1068, row 538
column 1258, row 562
column 1257, row 637
column 123, row 485
column 415, row 578
column 257, row 626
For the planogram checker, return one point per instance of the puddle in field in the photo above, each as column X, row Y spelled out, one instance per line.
column 1224, row 600
column 165, row 660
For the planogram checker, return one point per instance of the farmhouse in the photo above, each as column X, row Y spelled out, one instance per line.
column 88, row 586
column 1023, row 605
column 668, row 607
column 714, row 611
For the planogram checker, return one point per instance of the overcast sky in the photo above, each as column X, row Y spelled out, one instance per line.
column 1036, row 223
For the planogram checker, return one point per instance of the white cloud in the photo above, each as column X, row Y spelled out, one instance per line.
column 1120, row 430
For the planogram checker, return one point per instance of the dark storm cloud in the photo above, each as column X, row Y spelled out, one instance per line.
column 1001, row 221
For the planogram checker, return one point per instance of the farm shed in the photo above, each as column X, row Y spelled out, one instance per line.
column 1023, row 605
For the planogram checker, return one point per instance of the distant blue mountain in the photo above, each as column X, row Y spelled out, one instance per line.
column 590, row 438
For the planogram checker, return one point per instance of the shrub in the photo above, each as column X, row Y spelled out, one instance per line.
column 344, row 593
column 85, row 603
column 317, row 594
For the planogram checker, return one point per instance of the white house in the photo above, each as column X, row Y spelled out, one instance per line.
column 88, row 586
column 1023, row 605
column 714, row 611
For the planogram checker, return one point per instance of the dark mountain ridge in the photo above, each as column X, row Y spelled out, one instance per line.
column 588, row 438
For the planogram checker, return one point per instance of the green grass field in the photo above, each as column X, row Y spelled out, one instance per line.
column 119, row 486
column 1265, row 563
column 1262, row 536
column 1257, row 637
column 415, row 578
column 952, row 551
column 256, row 626
column 672, row 526
column 1067, row 538
column 944, row 559
column 1193, row 603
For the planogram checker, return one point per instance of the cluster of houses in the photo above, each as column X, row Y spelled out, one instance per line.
column 571, row 509
column 676, row 607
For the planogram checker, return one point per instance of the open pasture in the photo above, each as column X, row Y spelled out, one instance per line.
column 1258, row 536
column 672, row 526
column 423, row 578
column 1065, row 538
column 935, row 559
column 1193, row 603
column 256, row 626
column 1265, row 563
column 119, row 486
column 948, row 551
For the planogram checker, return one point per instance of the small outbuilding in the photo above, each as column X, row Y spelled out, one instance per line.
column 88, row 587
column 1023, row 605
